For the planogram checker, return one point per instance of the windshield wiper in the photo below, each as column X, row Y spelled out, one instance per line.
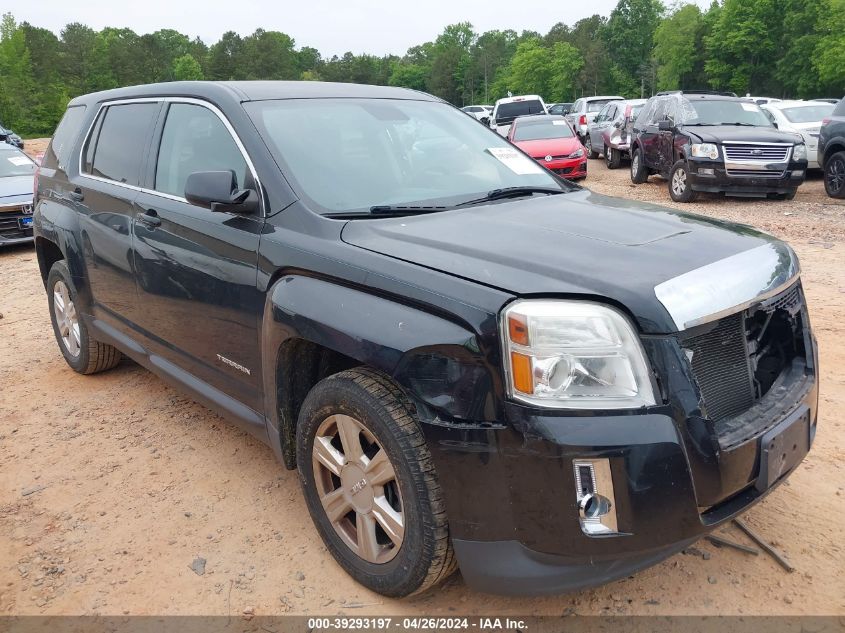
column 737, row 123
column 511, row 192
column 389, row 209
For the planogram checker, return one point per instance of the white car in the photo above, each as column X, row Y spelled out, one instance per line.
column 506, row 110
column 761, row 100
column 478, row 111
column 803, row 117
column 584, row 110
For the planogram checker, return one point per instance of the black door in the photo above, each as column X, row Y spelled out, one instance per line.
column 104, row 195
column 651, row 137
column 196, row 269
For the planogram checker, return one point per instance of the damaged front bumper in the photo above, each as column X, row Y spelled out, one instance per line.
column 512, row 490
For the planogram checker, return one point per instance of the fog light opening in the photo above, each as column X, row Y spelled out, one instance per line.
column 594, row 506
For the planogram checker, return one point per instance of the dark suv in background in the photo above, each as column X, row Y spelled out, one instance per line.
column 715, row 143
column 832, row 151
column 467, row 358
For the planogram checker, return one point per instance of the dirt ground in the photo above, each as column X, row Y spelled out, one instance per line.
column 112, row 485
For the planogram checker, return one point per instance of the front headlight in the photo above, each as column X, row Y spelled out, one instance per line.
column 705, row 150
column 578, row 153
column 799, row 152
column 573, row 355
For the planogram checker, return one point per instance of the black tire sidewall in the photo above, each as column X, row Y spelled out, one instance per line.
column 839, row 157
column 641, row 175
column 688, row 195
column 59, row 272
column 403, row 574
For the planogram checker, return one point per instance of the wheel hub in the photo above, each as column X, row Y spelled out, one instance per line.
column 358, row 488
column 67, row 320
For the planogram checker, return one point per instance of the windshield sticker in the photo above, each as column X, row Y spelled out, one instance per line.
column 749, row 107
column 20, row 161
column 516, row 162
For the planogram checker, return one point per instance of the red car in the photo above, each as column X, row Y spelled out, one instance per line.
column 551, row 142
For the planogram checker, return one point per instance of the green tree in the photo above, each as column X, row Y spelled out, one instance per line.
column 18, row 95
column 677, row 48
column 629, row 35
column 269, row 55
column 224, row 58
column 186, row 68
column 743, row 45
column 829, row 57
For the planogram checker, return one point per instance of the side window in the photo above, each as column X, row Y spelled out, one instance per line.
column 659, row 112
column 119, row 147
column 769, row 115
column 577, row 107
column 611, row 112
column 195, row 139
column 64, row 137
column 645, row 117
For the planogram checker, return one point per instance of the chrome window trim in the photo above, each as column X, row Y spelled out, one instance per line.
column 189, row 100
column 729, row 285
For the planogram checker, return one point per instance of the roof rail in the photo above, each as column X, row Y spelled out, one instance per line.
column 696, row 92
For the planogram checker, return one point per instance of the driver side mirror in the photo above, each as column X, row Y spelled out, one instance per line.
column 485, row 120
column 217, row 191
column 665, row 125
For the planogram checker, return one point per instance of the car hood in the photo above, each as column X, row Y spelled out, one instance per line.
column 721, row 133
column 549, row 146
column 14, row 187
column 577, row 244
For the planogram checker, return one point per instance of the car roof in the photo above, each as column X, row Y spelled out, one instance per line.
column 608, row 97
column 794, row 103
column 519, row 98
column 254, row 91
column 538, row 118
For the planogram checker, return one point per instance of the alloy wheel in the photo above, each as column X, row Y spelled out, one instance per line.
column 836, row 175
column 635, row 163
column 67, row 319
column 679, row 182
column 357, row 487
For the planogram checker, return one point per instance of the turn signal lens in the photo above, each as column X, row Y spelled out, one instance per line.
column 518, row 329
column 521, row 368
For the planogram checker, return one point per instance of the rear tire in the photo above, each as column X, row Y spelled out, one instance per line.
column 83, row 353
column 680, row 189
column 588, row 144
column 612, row 157
column 370, row 485
column 639, row 172
column 834, row 175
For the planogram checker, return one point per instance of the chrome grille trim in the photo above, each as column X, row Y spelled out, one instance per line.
column 757, row 152
column 728, row 285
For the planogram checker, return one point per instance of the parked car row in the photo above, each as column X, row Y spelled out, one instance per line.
column 7, row 136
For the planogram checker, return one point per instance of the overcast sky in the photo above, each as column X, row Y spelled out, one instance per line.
column 332, row 26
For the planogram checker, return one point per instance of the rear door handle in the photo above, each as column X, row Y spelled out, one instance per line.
column 77, row 195
column 149, row 217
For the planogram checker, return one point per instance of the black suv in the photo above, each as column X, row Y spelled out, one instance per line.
column 468, row 359
column 716, row 143
column 832, row 151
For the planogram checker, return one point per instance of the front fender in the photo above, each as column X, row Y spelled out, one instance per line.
column 440, row 362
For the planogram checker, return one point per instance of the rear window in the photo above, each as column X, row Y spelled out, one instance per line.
column 595, row 106
column 535, row 131
column 808, row 114
column 122, row 137
column 509, row 111
column 64, row 137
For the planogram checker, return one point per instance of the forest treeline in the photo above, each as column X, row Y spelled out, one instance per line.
column 778, row 48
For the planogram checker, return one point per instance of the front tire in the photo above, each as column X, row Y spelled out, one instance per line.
column 639, row 172
column 612, row 157
column 370, row 485
column 83, row 353
column 680, row 188
column 834, row 175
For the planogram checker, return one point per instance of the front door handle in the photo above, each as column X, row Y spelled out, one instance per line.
column 149, row 217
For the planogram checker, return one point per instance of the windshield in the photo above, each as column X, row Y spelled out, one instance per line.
column 15, row 164
column 718, row 112
column 538, row 130
column 808, row 114
column 348, row 155
column 509, row 111
column 595, row 106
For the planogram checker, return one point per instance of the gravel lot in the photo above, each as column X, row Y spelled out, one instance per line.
column 111, row 486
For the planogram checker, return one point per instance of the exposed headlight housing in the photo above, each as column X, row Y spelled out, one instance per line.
column 573, row 355
column 704, row 150
column 578, row 153
column 799, row 152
